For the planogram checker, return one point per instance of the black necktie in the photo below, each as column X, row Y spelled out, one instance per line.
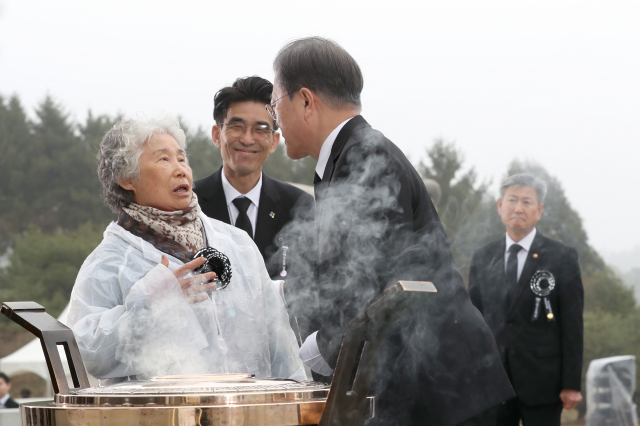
column 316, row 181
column 512, row 269
column 243, row 222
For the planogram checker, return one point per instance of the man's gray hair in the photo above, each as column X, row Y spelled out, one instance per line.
column 321, row 65
column 523, row 179
column 119, row 154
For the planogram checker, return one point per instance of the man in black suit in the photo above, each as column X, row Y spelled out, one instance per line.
column 376, row 225
column 5, row 398
column 528, row 288
column 239, row 193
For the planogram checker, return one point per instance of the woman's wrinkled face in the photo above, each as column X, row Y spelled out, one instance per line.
column 165, row 179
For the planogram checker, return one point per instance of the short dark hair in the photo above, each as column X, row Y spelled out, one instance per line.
column 245, row 89
column 321, row 65
column 4, row 377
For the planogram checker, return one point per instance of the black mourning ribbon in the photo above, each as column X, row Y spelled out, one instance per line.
column 512, row 269
column 216, row 262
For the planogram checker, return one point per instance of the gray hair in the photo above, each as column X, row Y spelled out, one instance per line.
column 321, row 65
column 119, row 154
column 523, row 179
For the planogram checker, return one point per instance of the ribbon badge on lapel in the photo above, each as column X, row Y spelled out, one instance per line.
column 283, row 273
column 542, row 283
column 217, row 262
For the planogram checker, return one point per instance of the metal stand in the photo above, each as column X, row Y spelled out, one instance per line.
column 52, row 334
column 346, row 405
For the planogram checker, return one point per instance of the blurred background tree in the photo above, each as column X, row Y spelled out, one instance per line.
column 466, row 209
column 44, row 265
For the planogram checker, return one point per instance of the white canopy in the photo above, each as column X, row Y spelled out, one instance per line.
column 30, row 357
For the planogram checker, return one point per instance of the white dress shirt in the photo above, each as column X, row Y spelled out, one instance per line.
column 309, row 352
column 230, row 194
column 525, row 243
column 325, row 150
column 3, row 400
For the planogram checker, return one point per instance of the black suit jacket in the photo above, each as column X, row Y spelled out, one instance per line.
column 11, row 404
column 543, row 357
column 377, row 225
column 276, row 209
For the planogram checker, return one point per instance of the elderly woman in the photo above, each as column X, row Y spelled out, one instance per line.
column 137, row 309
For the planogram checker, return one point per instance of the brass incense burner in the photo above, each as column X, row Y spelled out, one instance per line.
column 219, row 399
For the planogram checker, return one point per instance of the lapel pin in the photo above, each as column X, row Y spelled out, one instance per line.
column 535, row 255
column 273, row 215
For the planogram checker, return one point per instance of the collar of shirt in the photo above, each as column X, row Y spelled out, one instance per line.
column 525, row 243
column 4, row 399
column 325, row 150
column 230, row 193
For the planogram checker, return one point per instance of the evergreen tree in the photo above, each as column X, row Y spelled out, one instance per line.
column 204, row 157
column 15, row 143
column 65, row 190
column 280, row 166
column 48, row 170
column 467, row 211
column 44, row 266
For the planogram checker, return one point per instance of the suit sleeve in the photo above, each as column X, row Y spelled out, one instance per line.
column 571, row 303
column 474, row 284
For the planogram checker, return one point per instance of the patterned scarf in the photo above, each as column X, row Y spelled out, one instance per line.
column 178, row 233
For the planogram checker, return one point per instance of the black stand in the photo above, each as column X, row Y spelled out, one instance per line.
column 347, row 406
column 52, row 334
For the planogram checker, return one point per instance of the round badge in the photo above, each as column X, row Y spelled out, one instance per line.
column 216, row 262
column 542, row 283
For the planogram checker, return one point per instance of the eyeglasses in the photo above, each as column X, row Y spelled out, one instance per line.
column 270, row 107
column 259, row 131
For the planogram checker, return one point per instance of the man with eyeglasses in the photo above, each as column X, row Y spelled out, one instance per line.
column 239, row 193
column 375, row 225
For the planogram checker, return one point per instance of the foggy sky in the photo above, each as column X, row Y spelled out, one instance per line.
column 551, row 81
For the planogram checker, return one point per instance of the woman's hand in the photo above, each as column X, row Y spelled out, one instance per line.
column 195, row 284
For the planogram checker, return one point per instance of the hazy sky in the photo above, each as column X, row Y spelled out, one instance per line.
column 555, row 82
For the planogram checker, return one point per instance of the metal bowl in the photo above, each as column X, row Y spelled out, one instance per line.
column 222, row 399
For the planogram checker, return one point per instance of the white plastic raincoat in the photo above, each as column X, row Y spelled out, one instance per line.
column 130, row 317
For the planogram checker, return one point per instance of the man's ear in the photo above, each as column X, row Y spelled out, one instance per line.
column 274, row 142
column 215, row 135
column 310, row 102
column 126, row 185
